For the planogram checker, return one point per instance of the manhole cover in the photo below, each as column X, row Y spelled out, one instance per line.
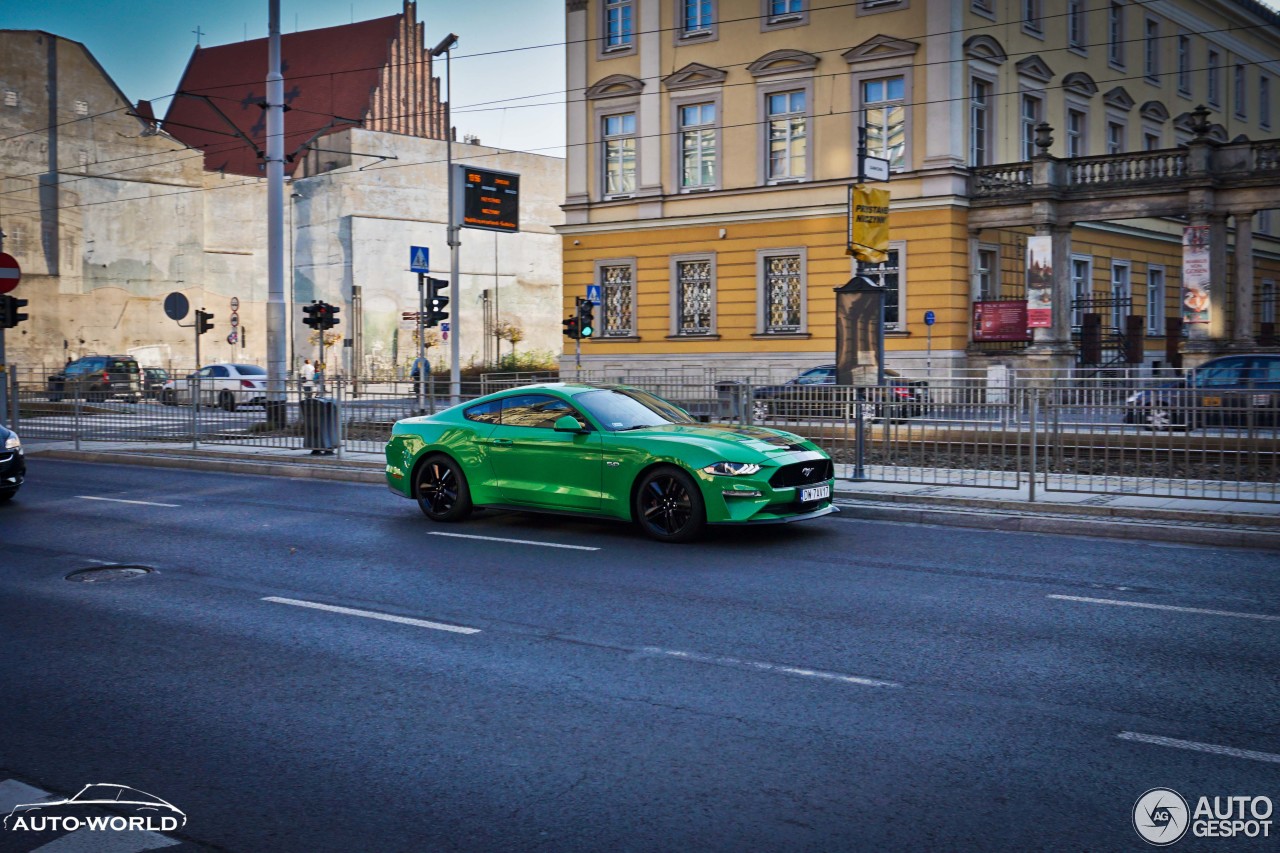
column 102, row 574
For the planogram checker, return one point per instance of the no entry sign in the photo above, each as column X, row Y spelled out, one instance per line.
column 10, row 274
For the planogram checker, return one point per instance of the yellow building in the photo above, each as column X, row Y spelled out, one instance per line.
column 711, row 144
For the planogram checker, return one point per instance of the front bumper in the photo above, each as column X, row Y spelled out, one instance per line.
column 13, row 470
column 785, row 519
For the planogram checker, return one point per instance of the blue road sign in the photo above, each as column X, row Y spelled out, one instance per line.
column 593, row 293
column 418, row 257
column 929, row 318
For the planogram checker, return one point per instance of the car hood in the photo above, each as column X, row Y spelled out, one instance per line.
column 758, row 440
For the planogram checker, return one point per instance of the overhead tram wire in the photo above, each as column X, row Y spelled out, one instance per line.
column 480, row 54
column 831, row 76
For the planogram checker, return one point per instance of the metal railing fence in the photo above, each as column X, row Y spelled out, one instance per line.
column 1059, row 434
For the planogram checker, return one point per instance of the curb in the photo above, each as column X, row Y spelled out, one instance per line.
column 1159, row 525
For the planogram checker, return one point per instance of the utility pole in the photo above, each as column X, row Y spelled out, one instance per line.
column 446, row 46
column 276, row 308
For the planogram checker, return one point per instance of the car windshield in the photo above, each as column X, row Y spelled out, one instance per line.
column 618, row 409
column 119, row 366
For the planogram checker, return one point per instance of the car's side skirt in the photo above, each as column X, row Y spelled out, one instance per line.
column 567, row 513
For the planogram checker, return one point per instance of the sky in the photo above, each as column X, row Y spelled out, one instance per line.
column 145, row 45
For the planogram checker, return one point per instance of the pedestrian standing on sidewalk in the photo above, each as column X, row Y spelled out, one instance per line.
column 308, row 374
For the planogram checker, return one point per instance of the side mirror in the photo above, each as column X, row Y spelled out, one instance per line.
column 568, row 423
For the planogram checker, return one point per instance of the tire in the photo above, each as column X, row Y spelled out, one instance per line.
column 441, row 489
column 227, row 401
column 167, row 397
column 97, row 396
column 668, row 505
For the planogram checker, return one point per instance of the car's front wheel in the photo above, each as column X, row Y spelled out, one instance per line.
column 441, row 489
column 669, row 507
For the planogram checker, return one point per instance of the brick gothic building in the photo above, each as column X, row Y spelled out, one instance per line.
column 375, row 74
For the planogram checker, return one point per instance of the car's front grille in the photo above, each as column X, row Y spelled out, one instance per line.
column 803, row 473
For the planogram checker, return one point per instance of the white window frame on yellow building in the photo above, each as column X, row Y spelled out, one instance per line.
column 988, row 110
column 1213, row 77
column 1115, row 35
column 778, row 87
column 770, row 21
column 1075, row 141
column 1184, row 64
column 904, row 103
column 986, row 278
column 1151, row 46
column 1156, row 298
column 1081, row 287
column 676, row 172
column 606, row 50
column 763, row 257
column 875, row 7
column 1077, row 28
column 675, row 264
column 705, row 32
column 621, row 107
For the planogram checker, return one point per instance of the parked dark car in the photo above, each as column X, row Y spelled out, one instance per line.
column 814, row 393
column 97, row 378
column 153, row 379
column 13, row 464
column 1233, row 390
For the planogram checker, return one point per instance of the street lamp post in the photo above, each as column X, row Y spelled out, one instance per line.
column 445, row 47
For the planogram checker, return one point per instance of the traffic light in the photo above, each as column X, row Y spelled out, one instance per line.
column 10, row 316
column 312, row 320
column 436, row 302
column 571, row 327
column 586, row 318
column 326, row 316
column 204, row 321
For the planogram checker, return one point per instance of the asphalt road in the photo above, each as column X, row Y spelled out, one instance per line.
column 830, row 686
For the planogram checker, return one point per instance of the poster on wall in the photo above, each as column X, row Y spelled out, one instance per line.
column 1195, row 274
column 1000, row 320
column 1040, row 281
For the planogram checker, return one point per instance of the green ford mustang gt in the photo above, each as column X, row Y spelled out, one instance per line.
column 607, row 451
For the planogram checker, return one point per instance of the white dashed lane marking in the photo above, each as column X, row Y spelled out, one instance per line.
column 516, row 541
column 123, row 501
column 373, row 614
column 1197, row 746
column 1200, row 611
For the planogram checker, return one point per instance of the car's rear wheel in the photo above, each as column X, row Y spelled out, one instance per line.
column 227, row 401
column 441, row 489
column 669, row 507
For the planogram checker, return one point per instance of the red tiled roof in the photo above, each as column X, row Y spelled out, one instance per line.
column 327, row 73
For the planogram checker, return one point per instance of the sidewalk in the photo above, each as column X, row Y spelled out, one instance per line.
column 1186, row 520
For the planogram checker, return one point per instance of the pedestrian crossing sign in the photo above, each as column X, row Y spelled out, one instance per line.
column 593, row 293
column 418, row 256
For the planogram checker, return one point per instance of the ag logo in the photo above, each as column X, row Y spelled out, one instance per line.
column 1160, row 816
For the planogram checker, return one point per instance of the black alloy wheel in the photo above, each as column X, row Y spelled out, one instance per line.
column 668, row 506
column 441, row 489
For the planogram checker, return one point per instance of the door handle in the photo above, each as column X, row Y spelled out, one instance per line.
column 502, row 442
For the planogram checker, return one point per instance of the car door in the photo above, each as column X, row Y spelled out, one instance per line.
column 533, row 464
column 213, row 379
column 1262, row 394
column 1217, row 392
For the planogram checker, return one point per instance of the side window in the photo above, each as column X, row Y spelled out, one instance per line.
column 817, row 376
column 485, row 413
column 1219, row 375
column 535, row 410
column 205, row 372
column 1269, row 371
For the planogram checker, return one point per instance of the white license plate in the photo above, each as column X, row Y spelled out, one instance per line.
column 815, row 493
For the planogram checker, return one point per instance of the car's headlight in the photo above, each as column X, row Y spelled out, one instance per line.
column 13, row 442
column 732, row 469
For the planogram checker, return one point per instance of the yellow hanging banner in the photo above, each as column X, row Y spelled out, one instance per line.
column 868, row 224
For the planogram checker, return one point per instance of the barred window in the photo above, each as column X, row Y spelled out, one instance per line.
column 617, row 283
column 694, row 295
column 782, row 292
column 889, row 276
